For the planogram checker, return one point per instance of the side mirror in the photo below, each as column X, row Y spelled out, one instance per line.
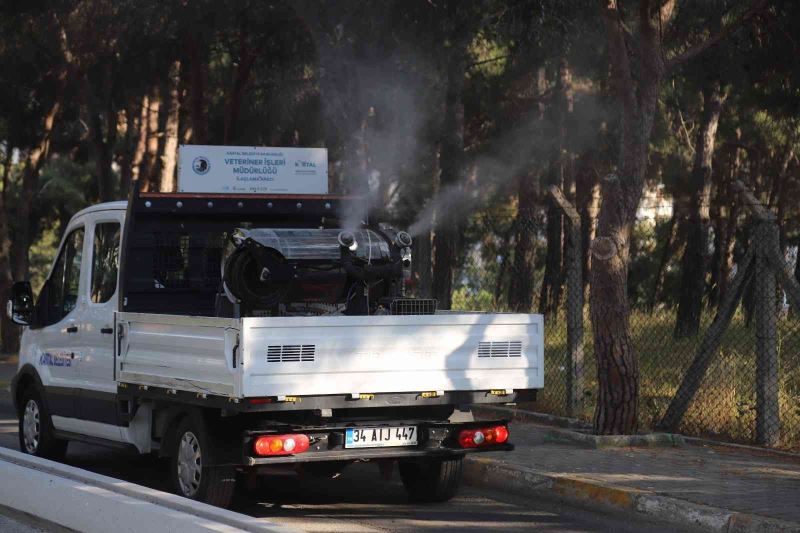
column 20, row 306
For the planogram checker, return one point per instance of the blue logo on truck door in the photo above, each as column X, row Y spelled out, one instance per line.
column 63, row 359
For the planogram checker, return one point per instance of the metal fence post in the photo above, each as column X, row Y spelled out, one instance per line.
column 574, row 274
column 709, row 345
column 768, row 421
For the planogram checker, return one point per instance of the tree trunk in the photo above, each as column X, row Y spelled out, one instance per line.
column 554, row 264
column 779, row 197
column 141, row 138
column 198, row 74
column 22, row 235
column 169, row 159
column 149, row 166
column 563, row 106
column 100, row 104
column 447, row 224
column 245, row 64
column 521, row 287
column 587, row 196
column 727, row 229
column 726, row 249
column 695, row 257
column 717, row 213
column 724, row 217
column 126, row 157
column 666, row 255
column 617, row 364
column 161, row 135
column 553, row 257
column 9, row 332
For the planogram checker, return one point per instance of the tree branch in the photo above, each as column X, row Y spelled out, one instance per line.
column 490, row 60
column 665, row 13
column 689, row 142
column 755, row 8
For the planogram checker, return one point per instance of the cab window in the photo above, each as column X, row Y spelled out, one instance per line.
column 62, row 287
column 105, row 261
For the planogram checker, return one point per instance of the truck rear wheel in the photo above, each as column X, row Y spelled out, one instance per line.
column 430, row 481
column 191, row 473
column 36, row 435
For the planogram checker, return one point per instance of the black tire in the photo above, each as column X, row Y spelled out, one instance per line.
column 190, row 476
column 430, row 481
column 36, row 434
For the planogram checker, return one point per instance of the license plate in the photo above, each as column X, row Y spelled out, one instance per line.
column 380, row 437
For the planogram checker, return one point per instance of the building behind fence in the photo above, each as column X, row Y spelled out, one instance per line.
column 738, row 380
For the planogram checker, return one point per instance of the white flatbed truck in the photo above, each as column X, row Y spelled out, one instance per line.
column 125, row 346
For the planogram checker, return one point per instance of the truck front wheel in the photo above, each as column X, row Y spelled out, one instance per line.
column 36, row 429
column 429, row 481
column 191, row 473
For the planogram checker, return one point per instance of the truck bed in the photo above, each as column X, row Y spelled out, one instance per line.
column 333, row 355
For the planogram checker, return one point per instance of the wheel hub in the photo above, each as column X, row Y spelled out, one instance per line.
column 190, row 464
column 31, row 427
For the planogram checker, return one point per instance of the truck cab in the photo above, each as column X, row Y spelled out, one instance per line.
column 236, row 334
column 69, row 343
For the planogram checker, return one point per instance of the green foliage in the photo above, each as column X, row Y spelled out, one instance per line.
column 368, row 80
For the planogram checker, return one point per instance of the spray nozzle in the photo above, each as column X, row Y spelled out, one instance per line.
column 402, row 239
column 347, row 240
column 406, row 257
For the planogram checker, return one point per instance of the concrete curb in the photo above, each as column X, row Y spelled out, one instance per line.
column 526, row 482
column 522, row 415
column 85, row 501
column 649, row 440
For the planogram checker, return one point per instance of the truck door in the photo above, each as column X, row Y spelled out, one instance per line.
column 98, row 389
column 55, row 338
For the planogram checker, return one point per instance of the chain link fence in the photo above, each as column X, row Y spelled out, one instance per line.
column 737, row 380
column 726, row 403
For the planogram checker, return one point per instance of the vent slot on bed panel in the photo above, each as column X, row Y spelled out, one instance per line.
column 500, row 349
column 290, row 353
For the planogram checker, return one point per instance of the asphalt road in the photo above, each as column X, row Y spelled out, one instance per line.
column 358, row 501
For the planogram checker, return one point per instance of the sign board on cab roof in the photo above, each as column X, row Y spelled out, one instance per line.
column 252, row 169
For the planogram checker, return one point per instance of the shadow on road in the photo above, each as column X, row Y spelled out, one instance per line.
column 358, row 501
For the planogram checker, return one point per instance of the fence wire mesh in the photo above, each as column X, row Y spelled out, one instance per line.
column 737, row 384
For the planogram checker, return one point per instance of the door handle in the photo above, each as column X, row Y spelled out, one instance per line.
column 106, row 331
column 72, row 329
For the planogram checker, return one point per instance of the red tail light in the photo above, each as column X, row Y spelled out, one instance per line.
column 502, row 434
column 480, row 437
column 281, row 444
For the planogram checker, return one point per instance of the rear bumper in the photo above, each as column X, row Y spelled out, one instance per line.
column 402, row 399
column 316, row 403
column 374, row 454
column 436, row 440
